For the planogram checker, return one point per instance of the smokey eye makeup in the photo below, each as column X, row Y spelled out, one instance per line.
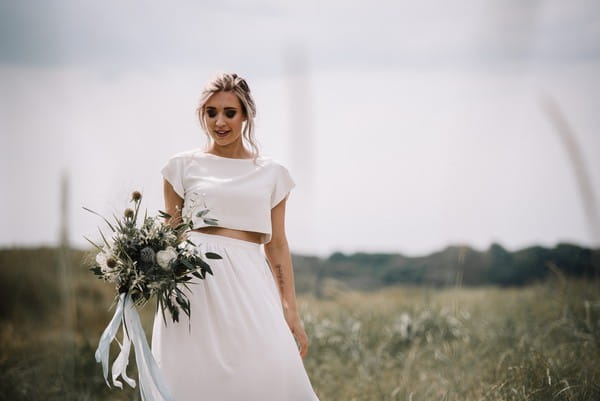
column 229, row 113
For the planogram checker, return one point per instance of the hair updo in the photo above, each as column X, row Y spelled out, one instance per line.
column 231, row 82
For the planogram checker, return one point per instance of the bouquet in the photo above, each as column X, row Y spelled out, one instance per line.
column 143, row 260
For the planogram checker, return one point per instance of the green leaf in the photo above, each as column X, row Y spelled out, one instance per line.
column 161, row 304
column 212, row 255
column 180, row 226
column 118, row 222
column 93, row 243
column 202, row 213
column 103, row 238
column 180, row 300
column 97, row 214
column 188, row 264
column 97, row 271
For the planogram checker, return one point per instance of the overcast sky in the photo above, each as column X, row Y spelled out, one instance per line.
column 422, row 120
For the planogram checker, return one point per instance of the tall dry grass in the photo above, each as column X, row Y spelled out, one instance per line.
column 540, row 342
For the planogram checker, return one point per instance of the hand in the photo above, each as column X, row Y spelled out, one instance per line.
column 298, row 331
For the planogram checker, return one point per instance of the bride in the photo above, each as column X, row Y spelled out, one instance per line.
column 240, row 341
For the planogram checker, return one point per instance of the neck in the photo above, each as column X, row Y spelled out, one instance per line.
column 233, row 150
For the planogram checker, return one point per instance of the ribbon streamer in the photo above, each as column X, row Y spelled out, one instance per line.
column 120, row 364
column 151, row 381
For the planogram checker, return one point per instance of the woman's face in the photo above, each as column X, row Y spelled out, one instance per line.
column 224, row 117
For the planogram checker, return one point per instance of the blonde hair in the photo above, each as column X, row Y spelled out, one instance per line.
column 231, row 82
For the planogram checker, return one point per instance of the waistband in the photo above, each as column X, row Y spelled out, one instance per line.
column 198, row 238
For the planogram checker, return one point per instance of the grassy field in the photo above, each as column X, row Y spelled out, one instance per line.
column 540, row 342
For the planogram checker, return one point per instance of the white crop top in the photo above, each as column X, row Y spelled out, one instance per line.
column 238, row 193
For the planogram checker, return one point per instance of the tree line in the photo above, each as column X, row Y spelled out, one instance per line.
column 454, row 265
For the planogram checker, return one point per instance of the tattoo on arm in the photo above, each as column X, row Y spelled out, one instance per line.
column 279, row 274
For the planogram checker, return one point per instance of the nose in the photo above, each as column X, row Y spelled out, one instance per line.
column 220, row 120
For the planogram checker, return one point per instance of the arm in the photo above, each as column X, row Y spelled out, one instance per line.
column 173, row 204
column 280, row 261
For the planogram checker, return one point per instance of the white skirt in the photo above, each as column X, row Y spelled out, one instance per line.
column 240, row 346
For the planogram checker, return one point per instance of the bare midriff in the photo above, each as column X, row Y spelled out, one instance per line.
column 251, row 236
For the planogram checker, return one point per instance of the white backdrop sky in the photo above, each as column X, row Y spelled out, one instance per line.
column 422, row 119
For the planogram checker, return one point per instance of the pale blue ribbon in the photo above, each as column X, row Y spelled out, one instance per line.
column 151, row 381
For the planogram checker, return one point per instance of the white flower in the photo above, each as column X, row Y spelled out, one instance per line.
column 153, row 228
column 164, row 258
column 101, row 260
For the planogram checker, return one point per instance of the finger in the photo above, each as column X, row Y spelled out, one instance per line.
column 304, row 349
column 300, row 344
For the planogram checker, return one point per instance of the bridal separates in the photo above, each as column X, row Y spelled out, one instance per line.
column 236, row 346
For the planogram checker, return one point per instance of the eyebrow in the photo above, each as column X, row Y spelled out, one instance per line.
column 226, row 108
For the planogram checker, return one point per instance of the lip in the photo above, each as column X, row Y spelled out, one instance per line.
column 224, row 133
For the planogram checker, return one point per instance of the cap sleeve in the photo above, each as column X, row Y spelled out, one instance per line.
column 283, row 185
column 172, row 171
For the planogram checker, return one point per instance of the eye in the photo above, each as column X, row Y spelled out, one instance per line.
column 230, row 113
column 211, row 113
